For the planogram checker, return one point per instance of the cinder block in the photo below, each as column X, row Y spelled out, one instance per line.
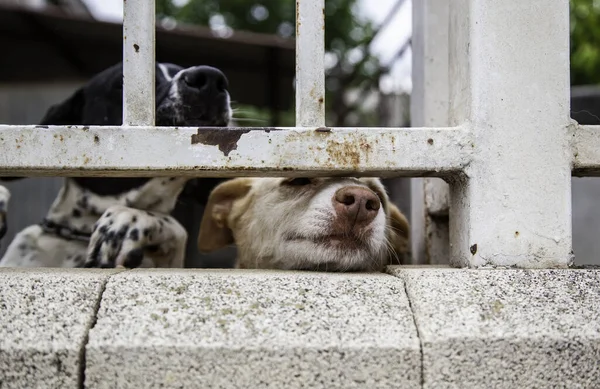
column 506, row 328
column 45, row 315
column 253, row 329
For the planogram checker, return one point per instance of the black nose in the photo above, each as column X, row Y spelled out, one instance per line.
column 206, row 79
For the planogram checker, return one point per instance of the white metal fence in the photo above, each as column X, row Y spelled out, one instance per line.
column 508, row 153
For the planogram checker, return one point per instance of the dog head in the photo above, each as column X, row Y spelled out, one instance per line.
column 195, row 96
column 334, row 224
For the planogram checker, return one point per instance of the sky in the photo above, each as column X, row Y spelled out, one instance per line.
column 386, row 45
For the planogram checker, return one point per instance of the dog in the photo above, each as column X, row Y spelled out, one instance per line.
column 330, row 224
column 109, row 222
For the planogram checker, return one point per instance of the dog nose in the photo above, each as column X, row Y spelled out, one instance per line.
column 206, row 79
column 357, row 204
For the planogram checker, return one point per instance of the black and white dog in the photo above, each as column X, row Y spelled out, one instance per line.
column 108, row 222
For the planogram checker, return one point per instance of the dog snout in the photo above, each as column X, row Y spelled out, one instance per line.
column 207, row 80
column 356, row 204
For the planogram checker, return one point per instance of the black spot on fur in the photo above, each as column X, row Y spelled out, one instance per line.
column 83, row 202
column 149, row 213
column 103, row 229
column 76, row 212
column 108, row 214
column 134, row 219
column 134, row 234
column 152, row 248
column 134, row 258
column 146, row 232
column 77, row 260
column 94, row 255
column 122, row 232
column 167, row 219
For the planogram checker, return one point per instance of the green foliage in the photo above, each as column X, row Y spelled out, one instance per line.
column 347, row 35
column 585, row 42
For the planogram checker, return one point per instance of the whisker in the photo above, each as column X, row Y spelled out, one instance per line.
column 248, row 120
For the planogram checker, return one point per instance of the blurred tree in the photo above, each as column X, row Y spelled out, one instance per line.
column 585, row 42
column 347, row 37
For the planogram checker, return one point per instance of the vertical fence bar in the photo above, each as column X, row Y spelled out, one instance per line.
column 429, row 108
column 310, row 66
column 138, row 62
column 510, row 81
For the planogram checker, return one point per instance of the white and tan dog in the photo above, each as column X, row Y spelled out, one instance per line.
column 332, row 224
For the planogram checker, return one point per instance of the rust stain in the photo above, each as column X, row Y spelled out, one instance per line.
column 323, row 130
column 96, row 139
column 430, row 141
column 348, row 152
column 297, row 18
column 226, row 140
column 136, row 47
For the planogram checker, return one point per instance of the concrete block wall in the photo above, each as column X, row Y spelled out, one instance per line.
column 414, row 327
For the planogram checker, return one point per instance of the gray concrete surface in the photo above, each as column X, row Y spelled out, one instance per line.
column 506, row 328
column 245, row 329
column 416, row 327
column 44, row 320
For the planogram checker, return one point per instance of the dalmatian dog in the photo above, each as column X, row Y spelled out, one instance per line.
column 112, row 222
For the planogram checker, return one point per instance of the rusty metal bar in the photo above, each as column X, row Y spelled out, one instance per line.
column 155, row 151
column 138, row 62
column 310, row 65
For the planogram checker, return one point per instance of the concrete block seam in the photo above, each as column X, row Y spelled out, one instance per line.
column 92, row 324
column 414, row 317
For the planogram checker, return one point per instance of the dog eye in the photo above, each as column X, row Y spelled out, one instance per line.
column 298, row 181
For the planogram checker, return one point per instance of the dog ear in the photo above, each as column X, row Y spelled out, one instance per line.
column 398, row 235
column 69, row 111
column 214, row 229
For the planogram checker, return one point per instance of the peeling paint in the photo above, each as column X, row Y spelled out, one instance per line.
column 225, row 139
column 473, row 249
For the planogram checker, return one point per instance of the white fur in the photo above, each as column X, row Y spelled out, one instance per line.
column 165, row 72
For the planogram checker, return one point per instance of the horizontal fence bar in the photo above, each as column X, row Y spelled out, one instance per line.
column 138, row 62
column 155, row 151
column 310, row 63
column 585, row 141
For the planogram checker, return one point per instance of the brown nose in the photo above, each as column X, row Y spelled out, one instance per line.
column 356, row 204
